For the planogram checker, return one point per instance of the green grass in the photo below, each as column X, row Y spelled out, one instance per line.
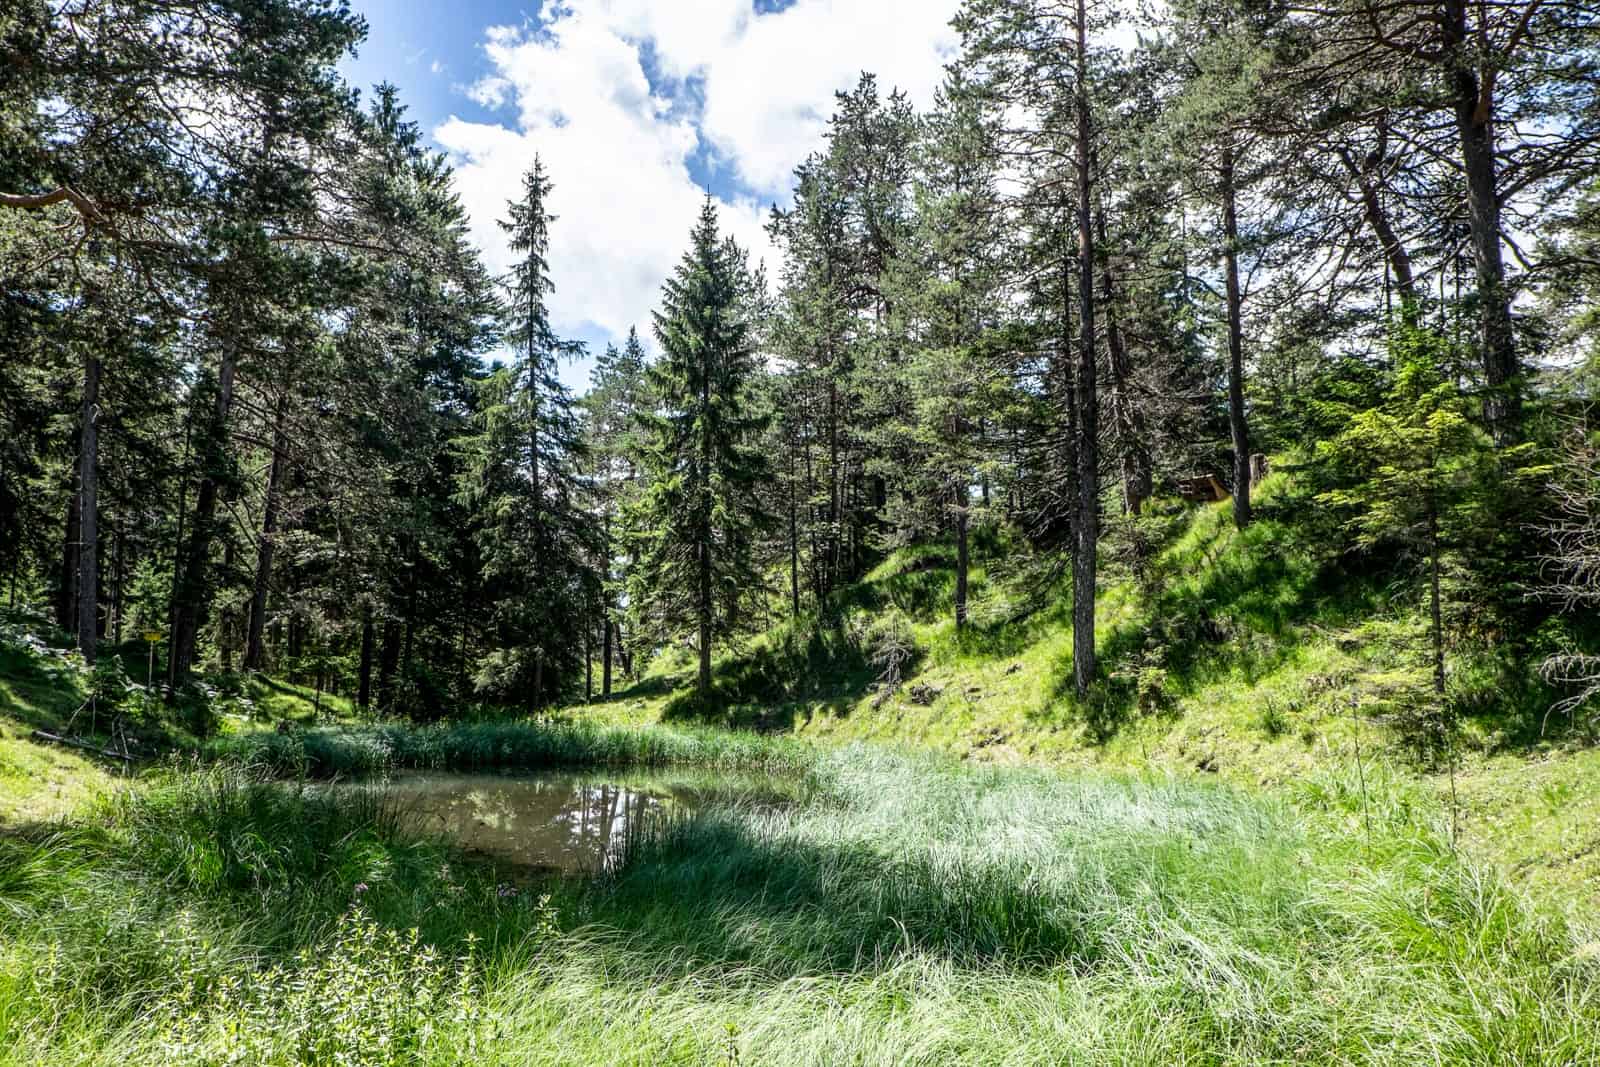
column 38, row 782
column 907, row 909
column 505, row 745
column 1255, row 657
column 1235, row 858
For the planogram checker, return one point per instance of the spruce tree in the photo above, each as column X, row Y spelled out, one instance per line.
column 694, row 525
column 521, row 480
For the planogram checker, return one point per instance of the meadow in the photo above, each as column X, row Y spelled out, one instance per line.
column 906, row 908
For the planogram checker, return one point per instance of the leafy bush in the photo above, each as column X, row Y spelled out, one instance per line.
column 369, row 998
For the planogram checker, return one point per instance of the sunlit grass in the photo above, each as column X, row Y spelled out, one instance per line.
column 907, row 909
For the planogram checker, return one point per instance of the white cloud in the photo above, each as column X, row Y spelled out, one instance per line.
column 756, row 87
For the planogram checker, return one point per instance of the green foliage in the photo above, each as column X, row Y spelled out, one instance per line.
column 1414, row 458
column 521, row 485
column 370, row 997
column 694, row 527
column 508, row 745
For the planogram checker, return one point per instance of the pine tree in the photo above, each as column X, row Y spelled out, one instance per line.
column 946, row 298
column 618, row 393
column 522, row 483
column 695, row 523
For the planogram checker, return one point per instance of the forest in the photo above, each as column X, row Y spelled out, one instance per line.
column 1174, row 445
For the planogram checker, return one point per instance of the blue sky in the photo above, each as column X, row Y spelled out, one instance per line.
column 638, row 108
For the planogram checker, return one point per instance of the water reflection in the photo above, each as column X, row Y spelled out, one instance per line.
column 566, row 822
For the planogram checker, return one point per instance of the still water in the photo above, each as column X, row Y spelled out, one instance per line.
column 567, row 822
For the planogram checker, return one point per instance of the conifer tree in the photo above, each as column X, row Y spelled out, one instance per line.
column 618, row 392
column 522, row 483
column 948, row 289
column 694, row 525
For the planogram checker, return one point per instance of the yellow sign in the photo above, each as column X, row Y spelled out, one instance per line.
column 152, row 636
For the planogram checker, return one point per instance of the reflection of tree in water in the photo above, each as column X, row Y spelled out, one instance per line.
column 598, row 818
column 565, row 822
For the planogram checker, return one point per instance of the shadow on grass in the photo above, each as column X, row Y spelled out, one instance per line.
column 1237, row 612
column 708, row 890
column 801, row 663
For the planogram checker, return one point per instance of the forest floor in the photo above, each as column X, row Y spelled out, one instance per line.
column 1240, row 855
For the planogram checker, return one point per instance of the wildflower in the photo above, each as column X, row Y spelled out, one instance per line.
column 360, row 887
column 506, row 890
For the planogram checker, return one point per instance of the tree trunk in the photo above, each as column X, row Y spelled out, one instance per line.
column 605, row 659
column 622, row 652
column 253, row 650
column 963, row 555
column 1435, row 609
column 67, row 588
column 794, row 541
column 834, row 518
column 1085, row 557
column 388, row 664
column 118, row 574
column 588, row 665
column 1472, row 100
column 191, row 594
column 368, row 639
column 225, row 616
column 182, row 512
column 703, row 610
column 1237, row 426
column 88, row 607
column 1131, row 441
column 1394, row 251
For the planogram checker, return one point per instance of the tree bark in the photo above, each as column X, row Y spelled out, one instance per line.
column 1237, row 426
column 1394, row 251
column 67, row 589
column 794, row 541
column 703, row 611
column 605, row 659
column 1085, row 556
column 88, row 607
column 388, row 664
column 1472, row 100
column 1434, row 606
column 834, row 518
column 963, row 555
column 191, row 594
column 118, row 574
column 368, row 639
column 254, row 652
column 1131, row 440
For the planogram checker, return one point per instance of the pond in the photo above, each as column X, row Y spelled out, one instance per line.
column 575, row 823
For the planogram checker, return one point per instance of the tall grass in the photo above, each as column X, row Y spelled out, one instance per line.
column 507, row 745
column 904, row 910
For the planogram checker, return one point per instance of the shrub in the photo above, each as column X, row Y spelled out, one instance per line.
column 371, row 997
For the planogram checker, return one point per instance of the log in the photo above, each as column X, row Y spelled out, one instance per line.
column 74, row 743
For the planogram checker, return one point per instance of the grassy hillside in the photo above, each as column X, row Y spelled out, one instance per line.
column 1253, row 656
column 43, row 687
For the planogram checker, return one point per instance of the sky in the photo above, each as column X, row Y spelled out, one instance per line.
column 638, row 109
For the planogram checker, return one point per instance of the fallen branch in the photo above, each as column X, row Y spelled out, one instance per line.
column 73, row 742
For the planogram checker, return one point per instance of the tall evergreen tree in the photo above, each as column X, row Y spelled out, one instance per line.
column 695, row 522
column 522, row 480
